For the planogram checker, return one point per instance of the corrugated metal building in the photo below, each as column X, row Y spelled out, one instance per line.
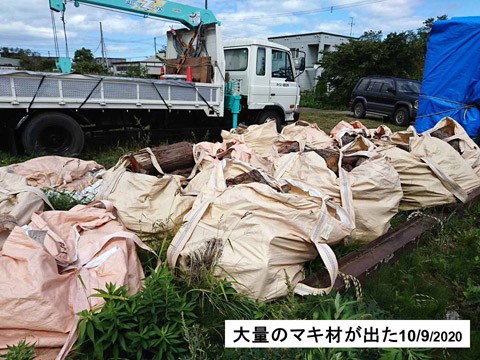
column 312, row 44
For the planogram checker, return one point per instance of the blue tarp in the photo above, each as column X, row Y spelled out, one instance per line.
column 451, row 79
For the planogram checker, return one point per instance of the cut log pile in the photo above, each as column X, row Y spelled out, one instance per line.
column 447, row 132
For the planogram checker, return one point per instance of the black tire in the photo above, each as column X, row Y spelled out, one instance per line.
column 359, row 110
column 401, row 117
column 53, row 133
column 271, row 115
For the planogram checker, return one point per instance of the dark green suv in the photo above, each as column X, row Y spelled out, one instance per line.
column 391, row 97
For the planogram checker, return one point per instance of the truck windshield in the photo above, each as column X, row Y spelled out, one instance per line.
column 408, row 87
column 281, row 65
column 236, row 59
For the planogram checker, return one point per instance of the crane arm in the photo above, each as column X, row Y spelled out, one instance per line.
column 189, row 16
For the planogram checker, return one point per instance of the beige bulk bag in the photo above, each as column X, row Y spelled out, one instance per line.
column 18, row 202
column 50, row 268
column 453, row 133
column 205, row 152
column 432, row 173
column 447, row 164
column 370, row 192
column 354, row 128
column 145, row 203
column 260, row 138
column 421, row 187
column 57, row 172
column 307, row 134
column 232, row 172
column 260, row 238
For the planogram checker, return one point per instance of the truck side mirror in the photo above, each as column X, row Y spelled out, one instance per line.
column 391, row 90
column 299, row 63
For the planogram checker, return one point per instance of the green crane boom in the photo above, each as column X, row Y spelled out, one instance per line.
column 189, row 16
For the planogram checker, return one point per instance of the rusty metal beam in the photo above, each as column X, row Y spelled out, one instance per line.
column 363, row 261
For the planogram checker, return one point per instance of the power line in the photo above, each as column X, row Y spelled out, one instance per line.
column 317, row 10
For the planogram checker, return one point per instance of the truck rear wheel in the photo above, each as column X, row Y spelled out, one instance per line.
column 53, row 133
column 270, row 115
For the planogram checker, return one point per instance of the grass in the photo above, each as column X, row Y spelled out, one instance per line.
column 441, row 276
column 438, row 278
column 326, row 120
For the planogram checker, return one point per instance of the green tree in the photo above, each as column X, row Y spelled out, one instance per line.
column 29, row 59
column 397, row 54
column 37, row 63
column 137, row 71
column 84, row 63
column 16, row 53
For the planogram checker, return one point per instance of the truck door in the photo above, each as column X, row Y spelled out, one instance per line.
column 283, row 88
column 260, row 86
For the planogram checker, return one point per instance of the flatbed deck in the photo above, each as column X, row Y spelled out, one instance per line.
column 35, row 90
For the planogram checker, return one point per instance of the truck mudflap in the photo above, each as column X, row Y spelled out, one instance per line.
column 296, row 115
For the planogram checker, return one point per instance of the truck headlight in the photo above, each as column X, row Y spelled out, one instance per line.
column 415, row 104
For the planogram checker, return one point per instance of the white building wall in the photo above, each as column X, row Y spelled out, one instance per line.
column 312, row 45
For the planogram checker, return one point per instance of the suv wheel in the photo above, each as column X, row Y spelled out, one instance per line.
column 359, row 110
column 400, row 117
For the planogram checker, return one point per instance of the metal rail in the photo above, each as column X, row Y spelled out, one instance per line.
column 365, row 260
column 25, row 90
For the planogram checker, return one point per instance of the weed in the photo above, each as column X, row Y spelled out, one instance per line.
column 149, row 324
column 22, row 351
column 435, row 278
column 64, row 200
column 404, row 354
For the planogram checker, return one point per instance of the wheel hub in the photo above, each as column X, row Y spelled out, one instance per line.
column 54, row 139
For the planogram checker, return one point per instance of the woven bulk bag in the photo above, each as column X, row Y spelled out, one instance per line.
column 447, row 164
column 454, row 134
column 307, row 134
column 260, row 138
column 431, row 172
column 421, row 187
column 259, row 237
column 57, row 172
column 18, row 202
column 51, row 267
column 145, row 203
column 370, row 190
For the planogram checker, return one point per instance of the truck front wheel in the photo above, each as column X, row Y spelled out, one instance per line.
column 270, row 115
column 53, row 133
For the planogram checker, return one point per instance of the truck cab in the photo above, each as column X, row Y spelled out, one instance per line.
column 263, row 74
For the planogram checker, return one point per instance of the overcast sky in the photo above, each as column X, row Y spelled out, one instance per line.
column 27, row 24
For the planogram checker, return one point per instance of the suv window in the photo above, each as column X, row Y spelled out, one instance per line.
column 363, row 84
column 408, row 87
column 375, row 86
column 387, row 84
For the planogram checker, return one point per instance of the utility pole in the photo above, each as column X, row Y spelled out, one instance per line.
column 351, row 26
column 104, row 58
column 155, row 44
